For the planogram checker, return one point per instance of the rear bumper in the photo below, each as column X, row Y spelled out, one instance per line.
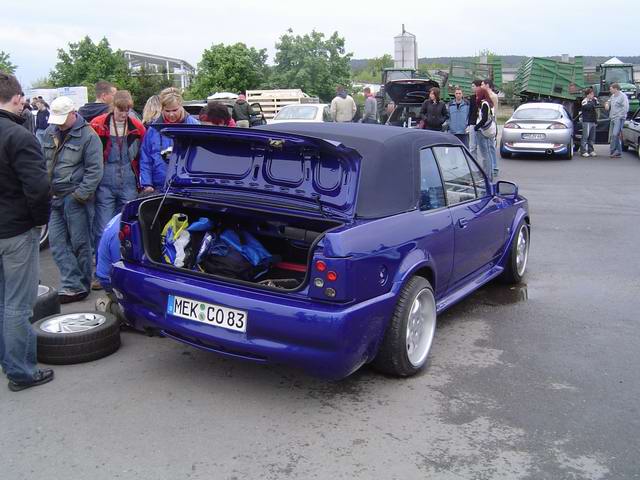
column 326, row 340
column 534, row 148
column 554, row 140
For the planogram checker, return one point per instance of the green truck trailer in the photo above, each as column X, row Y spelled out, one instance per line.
column 462, row 73
column 545, row 79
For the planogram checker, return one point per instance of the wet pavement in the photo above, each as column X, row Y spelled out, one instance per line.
column 535, row 381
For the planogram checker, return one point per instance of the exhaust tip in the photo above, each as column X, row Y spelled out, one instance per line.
column 548, row 151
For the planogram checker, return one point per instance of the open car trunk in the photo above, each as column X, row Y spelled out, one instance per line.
column 289, row 239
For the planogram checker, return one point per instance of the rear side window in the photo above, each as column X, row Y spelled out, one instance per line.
column 458, row 181
column 431, row 189
column 478, row 178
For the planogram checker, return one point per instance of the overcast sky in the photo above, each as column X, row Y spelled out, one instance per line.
column 31, row 31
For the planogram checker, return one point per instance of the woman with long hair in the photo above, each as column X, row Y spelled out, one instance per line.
column 434, row 111
column 151, row 110
column 156, row 148
column 485, row 131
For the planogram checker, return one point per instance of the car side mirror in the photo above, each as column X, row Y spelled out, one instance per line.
column 506, row 189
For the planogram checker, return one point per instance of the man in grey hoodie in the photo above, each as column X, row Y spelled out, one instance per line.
column 343, row 108
column 370, row 107
column 618, row 106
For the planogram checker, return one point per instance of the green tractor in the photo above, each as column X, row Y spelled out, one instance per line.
column 615, row 71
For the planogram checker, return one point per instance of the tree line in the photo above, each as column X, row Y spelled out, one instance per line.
column 312, row 62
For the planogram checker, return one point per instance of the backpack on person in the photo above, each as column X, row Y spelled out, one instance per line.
column 490, row 130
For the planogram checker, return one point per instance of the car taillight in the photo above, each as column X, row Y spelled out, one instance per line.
column 124, row 233
column 329, row 280
column 511, row 125
column 556, row 126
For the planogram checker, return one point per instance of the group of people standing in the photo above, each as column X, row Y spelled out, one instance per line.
column 472, row 120
column 75, row 175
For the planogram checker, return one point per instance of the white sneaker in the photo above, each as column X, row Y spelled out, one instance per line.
column 593, row 154
column 585, row 154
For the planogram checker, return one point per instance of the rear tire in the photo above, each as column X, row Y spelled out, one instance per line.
column 46, row 304
column 516, row 265
column 504, row 153
column 76, row 337
column 409, row 336
column 569, row 154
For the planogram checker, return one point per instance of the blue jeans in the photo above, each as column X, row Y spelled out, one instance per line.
column 70, row 240
column 473, row 145
column 19, row 260
column 112, row 194
column 615, row 129
column 484, row 150
column 492, row 153
column 588, row 137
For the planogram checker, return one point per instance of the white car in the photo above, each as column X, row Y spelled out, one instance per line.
column 303, row 112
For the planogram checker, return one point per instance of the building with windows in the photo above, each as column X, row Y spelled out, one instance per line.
column 180, row 71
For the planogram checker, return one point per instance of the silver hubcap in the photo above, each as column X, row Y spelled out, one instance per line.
column 73, row 323
column 421, row 327
column 522, row 250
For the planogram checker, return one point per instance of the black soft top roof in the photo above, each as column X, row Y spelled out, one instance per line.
column 389, row 172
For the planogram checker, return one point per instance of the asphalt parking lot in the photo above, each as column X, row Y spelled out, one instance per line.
column 538, row 381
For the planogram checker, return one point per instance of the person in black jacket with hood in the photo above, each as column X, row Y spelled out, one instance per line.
column 104, row 98
column 24, row 205
column 589, row 122
column 434, row 111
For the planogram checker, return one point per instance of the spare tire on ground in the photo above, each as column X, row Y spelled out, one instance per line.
column 68, row 338
column 47, row 303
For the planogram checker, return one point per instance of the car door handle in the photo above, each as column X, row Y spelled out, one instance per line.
column 463, row 222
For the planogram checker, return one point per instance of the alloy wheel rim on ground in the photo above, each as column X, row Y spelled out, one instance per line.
column 522, row 250
column 73, row 323
column 421, row 326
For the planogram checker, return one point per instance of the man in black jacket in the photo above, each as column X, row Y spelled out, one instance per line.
column 104, row 98
column 24, row 204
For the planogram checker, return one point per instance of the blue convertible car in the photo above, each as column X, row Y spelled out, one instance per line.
column 373, row 230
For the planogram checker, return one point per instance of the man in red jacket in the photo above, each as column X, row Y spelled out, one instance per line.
column 121, row 135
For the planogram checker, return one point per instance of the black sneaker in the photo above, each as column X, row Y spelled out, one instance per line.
column 73, row 297
column 40, row 378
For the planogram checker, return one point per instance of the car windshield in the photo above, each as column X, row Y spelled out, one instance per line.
column 536, row 114
column 302, row 112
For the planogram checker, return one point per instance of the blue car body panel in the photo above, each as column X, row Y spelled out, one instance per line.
column 457, row 248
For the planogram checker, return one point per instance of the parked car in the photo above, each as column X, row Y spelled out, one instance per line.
column 631, row 133
column 194, row 107
column 538, row 128
column 408, row 95
column 303, row 112
column 367, row 259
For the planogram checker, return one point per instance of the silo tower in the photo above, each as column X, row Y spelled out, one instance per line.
column 405, row 50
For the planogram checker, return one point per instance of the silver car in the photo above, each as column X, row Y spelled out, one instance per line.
column 538, row 128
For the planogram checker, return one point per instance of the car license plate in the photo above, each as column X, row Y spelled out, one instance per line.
column 208, row 313
column 533, row 136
